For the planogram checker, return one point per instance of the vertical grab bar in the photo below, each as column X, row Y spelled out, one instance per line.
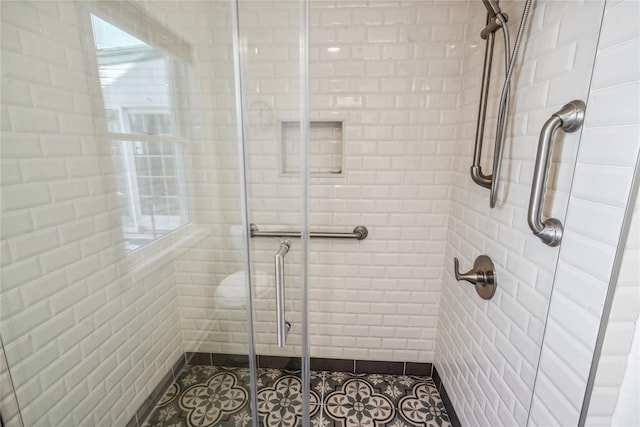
column 569, row 118
column 476, row 169
column 282, row 325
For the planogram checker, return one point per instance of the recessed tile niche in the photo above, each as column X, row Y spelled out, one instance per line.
column 326, row 148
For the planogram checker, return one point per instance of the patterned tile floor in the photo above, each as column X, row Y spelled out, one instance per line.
column 207, row 396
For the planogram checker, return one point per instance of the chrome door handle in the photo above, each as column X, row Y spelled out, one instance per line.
column 282, row 325
column 569, row 118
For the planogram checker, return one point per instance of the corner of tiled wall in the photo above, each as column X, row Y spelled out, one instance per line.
column 617, row 357
column 487, row 351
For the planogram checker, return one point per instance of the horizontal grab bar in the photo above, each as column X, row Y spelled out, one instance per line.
column 360, row 232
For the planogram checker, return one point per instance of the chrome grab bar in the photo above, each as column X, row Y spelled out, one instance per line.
column 281, row 323
column 569, row 118
column 360, row 232
column 476, row 169
column 488, row 33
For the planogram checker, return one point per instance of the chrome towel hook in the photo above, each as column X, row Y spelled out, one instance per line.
column 483, row 275
column 569, row 118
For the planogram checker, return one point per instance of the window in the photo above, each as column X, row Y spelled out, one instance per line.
column 137, row 82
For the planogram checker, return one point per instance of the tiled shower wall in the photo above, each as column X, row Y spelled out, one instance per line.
column 617, row 360
column 390, row 72
column 605, row 169
column 487, row 351
column 88, row 332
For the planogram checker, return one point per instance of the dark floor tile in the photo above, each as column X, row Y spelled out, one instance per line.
column 133, row 422
column 455, row 422
column 185, row 400
column 199, row 358
column 436, row 377
column 393, row 400
column 422, row 369
column 279, row 362
column 280, row 398
column 336, row 365
column 322, row 419
column 179, row 365
column 145, row 409
column 376, row 367
column 324, row 382
column 395, row 387
column 149, row 404
column 233, row 360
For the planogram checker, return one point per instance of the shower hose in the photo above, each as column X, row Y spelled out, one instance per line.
column 501, row 125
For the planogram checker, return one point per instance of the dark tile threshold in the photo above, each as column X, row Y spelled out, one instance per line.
column 150, row 402
column 316, row 364
column 453, row 417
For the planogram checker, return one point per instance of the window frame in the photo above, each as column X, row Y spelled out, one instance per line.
column 177, row 59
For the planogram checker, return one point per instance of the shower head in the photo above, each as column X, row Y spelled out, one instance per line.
column 492, row 7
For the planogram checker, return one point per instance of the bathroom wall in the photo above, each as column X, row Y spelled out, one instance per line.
column 617, row 358
column 487, row 351
column 605, row 168
column 392, row 76
column 88, row 330
column 393, row 82
column 391, row 71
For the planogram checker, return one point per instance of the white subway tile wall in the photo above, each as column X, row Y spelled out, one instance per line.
column 616, row 348
column 382, row 70
column 88, row 332
column 392, row 78
column 604, row 170
column 391, row 71
column 487, row 351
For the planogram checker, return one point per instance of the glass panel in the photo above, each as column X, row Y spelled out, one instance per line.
column 122, row 249
column 614, row 391
column 270, row 34
column 405, row 79
column 9, row 411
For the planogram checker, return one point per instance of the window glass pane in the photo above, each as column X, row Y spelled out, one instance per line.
column 136, row 81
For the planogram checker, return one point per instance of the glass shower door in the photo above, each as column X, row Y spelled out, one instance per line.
column 273, row 97
column 122, row 249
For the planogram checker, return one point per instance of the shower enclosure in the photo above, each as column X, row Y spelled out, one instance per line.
column 167, row 165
